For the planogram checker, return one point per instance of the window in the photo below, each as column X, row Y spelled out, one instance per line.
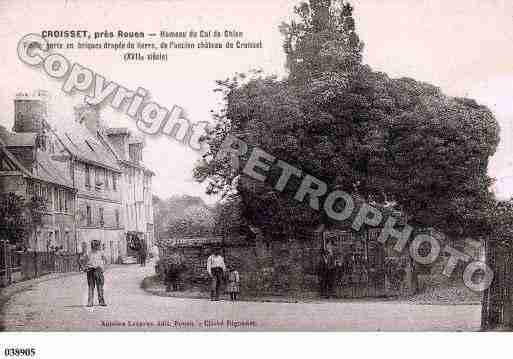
column 106, row 178
column 117, row 217
column 114, row 182
column 87, row 176
column 57, row 200
column 30, row 188
column 44, row 192
column 66, row 202
column 49, row 194
column 88, row 215
column 62, row 200
column 101, row 216
column 37, row 190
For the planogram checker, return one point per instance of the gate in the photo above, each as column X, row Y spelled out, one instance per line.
column 359, row 262
column 363, row 268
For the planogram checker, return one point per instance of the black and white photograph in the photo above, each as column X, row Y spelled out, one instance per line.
column 255, row 166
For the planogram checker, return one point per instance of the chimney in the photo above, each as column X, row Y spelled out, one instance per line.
column 30, row 111
column 88, row 116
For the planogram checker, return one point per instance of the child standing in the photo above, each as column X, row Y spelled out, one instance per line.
column 233, row 283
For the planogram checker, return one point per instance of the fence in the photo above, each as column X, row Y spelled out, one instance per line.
column 17, row 266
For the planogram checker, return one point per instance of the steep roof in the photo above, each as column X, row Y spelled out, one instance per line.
column 82, row 143
column 19, row 167
column 47, row 171
column 17, row 139
column 139, row 165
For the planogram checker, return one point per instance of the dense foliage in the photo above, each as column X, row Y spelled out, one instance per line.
column 182, row 216
column 387, row 140
column 18, row 217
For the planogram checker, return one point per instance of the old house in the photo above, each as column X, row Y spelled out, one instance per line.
column 137, row 207
column 94, row 180
column 94, row 172
column 28, row 168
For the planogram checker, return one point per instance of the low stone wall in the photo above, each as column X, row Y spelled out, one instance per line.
column 281, row 268
column 274, row 268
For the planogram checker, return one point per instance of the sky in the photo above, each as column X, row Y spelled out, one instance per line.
column 464, row 47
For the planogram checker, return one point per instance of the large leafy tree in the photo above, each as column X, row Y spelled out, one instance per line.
column 387, row 140
column 13, row 221
column 180, row 216
column 19, row 218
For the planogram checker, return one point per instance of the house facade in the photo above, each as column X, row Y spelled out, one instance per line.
column 137, row 207
column 27, row 169
column 94, row 190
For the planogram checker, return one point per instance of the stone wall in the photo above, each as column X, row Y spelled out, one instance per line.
column 289, row 268
column 275, row 268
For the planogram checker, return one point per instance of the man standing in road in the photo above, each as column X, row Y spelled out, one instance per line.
column 142, row 254
column 215, row 269
column 93, row 265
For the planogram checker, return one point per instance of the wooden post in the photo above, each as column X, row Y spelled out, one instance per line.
column 35, row 264
column 8, row 262
column 3, row 254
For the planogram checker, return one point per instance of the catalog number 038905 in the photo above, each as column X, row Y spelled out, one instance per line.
column 20, row 352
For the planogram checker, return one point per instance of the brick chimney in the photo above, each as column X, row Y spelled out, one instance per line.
column 88, row 116
column 30, row 110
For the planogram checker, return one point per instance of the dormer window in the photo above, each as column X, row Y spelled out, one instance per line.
column 90, row 145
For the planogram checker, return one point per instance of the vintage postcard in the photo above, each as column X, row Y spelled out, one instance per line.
column 284, row 165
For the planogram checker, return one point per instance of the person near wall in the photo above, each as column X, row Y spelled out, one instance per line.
column 174, row 266
column 143, row 252
column 233, row 286
column 326, row 272
column 216, row 269
column 93, row 264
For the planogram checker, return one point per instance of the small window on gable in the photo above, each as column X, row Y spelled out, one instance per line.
column 90, row 145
